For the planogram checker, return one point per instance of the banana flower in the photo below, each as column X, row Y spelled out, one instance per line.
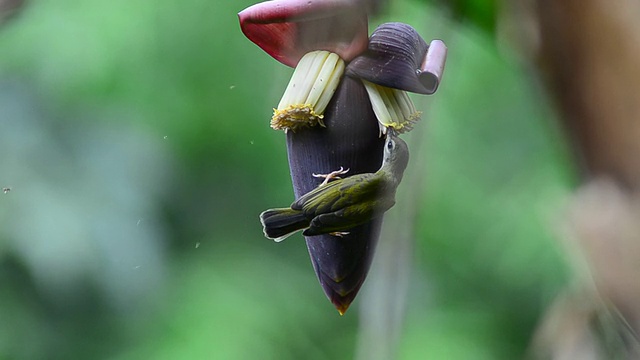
column 346, row 91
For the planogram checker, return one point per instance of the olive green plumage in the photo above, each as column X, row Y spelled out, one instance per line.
column 341, row 204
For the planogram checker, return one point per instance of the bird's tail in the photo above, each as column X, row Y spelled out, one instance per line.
column 279, row 224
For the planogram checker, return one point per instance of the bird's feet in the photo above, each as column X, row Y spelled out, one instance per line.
column 339, row 233
column 332, row 175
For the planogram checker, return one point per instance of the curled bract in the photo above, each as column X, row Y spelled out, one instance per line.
column 288, row 29
column 398, row 57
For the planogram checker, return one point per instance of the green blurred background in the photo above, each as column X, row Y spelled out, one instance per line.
column 135, row 141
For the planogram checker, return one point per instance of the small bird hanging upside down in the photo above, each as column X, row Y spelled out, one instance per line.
column 337, row 206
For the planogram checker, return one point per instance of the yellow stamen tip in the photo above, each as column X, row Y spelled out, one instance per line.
column 294, row 117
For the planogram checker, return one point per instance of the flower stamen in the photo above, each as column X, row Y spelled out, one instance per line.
column 393, row 108
column 309, row 91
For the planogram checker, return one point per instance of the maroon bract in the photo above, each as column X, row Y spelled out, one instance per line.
column 350, row 140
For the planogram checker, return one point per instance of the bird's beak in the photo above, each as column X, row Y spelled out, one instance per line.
column 391, row 132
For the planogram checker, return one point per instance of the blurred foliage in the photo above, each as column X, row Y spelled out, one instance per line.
column 135, row 141
column 481, row 13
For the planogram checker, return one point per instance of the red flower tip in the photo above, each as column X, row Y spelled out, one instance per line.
column 288, row 29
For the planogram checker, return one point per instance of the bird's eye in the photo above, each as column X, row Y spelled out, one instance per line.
column 390, row 145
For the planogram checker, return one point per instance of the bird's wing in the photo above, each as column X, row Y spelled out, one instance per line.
column 348, row 217
column 340, row 194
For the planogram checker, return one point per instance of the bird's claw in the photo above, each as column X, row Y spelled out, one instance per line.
column 332, row 175
column 339, row 233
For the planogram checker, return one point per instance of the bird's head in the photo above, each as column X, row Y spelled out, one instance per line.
column 396, row 153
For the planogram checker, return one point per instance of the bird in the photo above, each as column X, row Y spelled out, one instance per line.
column 336, row 206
